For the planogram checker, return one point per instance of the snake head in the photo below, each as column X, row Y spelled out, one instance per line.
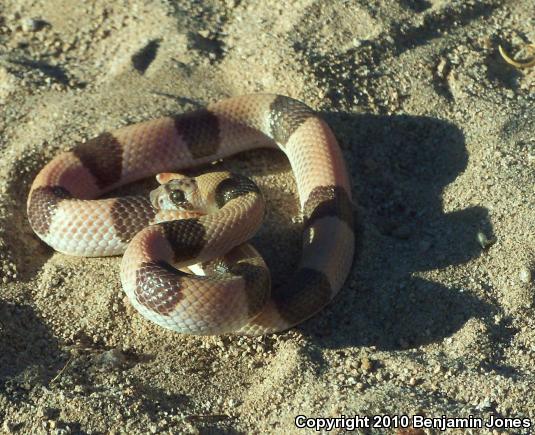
column 177, row 194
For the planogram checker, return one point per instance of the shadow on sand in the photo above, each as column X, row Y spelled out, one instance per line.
column 400, row 166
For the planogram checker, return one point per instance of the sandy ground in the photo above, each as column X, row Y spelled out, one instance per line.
column 438, row 315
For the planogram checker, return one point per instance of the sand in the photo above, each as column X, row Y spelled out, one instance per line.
column 437, row 317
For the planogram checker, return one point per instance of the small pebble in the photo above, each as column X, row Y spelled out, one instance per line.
column 443, row 68
column 111, row 358
column 484, row 241
column 31, row 25
column 55, row 281
column 524, row 275
column 78, row 389
column 366, row 364
column 485, row 404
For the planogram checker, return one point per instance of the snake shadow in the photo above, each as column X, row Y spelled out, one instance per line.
column 400, row 167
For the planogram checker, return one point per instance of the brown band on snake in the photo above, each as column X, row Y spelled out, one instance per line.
column 130, row 214
column 309, row 290
column 186, row 236
column 200, row 130
column 234, row 187
column 257, row 284
column 103, row 157
column 286, row 115
column 158, row 286
column 43, row 204
column 328, row 201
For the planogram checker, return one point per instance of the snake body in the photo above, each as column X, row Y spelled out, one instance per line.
column 234, row 295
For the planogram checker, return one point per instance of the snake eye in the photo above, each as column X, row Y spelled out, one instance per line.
column 177, row 196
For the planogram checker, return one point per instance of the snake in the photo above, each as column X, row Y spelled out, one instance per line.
column 187, row 262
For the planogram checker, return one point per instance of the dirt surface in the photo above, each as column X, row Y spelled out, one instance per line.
column 438, row 315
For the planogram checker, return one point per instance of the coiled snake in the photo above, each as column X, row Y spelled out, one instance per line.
column 203, row 221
